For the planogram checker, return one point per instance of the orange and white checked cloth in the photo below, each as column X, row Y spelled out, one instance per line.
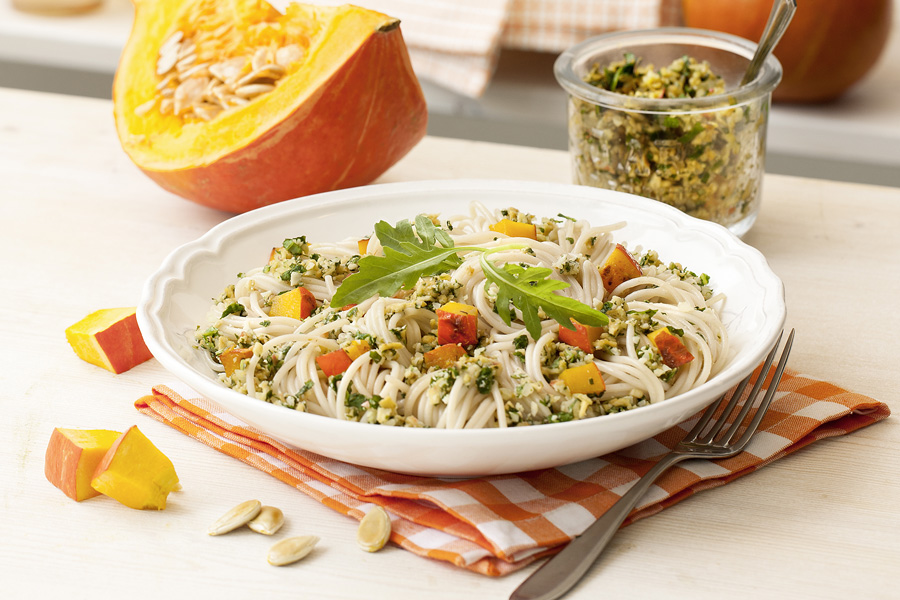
column 495, row 525
column 456, row 43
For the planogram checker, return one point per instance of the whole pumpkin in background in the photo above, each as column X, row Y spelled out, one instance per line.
column 315, row 99
column 829, row 45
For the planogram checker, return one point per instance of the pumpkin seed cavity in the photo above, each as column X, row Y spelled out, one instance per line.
column 212, row 64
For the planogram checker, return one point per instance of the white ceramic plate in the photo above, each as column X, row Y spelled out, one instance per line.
column 177, row 298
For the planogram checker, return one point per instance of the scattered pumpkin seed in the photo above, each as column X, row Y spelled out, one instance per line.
column 185, row 58
column 268, row 521
column 238, row 516
column 290, row 550
column 374, row 530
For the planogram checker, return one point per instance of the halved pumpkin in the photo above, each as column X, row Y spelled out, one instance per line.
column 343, row 108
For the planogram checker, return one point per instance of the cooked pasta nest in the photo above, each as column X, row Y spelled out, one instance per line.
column 513, row 374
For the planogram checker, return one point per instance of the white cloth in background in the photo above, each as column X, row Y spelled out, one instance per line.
column 456, row 43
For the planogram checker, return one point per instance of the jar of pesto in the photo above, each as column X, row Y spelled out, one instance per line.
column 661, row 113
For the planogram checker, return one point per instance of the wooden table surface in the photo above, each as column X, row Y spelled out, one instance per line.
column 83, row 229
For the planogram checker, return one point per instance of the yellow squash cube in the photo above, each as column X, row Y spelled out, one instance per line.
column 585, row 379
column 515, row 229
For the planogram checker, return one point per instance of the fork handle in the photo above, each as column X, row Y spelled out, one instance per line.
column 561, row 572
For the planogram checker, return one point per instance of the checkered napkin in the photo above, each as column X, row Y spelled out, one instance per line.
column 495, row 525
column 456, row 43
column 554, row 25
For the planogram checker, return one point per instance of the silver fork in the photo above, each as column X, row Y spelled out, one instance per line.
column 710, row 441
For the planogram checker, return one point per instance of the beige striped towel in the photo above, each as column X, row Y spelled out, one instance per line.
column 456, row 43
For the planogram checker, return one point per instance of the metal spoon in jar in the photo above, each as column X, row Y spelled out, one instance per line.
column 779, row 18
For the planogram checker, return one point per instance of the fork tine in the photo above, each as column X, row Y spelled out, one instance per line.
column 754, row 394
column 694, row 435
column 707, row 415
column 770, row 394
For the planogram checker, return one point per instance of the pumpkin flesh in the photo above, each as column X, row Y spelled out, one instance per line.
column 339, row 117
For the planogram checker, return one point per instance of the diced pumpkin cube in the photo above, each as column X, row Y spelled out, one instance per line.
column 515, row 229
column 231, row 358
column 444, row 356
column 73, row 455
column 582, row 337
column 362, row 245
column 357, row 348
column 109, row 338
column 671, row 348
column 585, row 379
column 135, row 472
column 619, row 267
column 457, row 324
column 298, row 304
column 273, row 254
column 334, row 363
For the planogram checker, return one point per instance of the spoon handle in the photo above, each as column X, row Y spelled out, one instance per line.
column 779, row 18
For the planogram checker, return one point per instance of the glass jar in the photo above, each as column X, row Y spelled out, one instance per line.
column 703, row 155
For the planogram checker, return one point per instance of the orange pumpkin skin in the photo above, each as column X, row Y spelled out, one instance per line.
column 829, row 45
column 346, row 132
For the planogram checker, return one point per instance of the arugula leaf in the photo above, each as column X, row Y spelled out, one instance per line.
column 408, row 255
column 384, row 275
column 413, row 253
column 424, row 236
column 530, row 289
column 429, row 233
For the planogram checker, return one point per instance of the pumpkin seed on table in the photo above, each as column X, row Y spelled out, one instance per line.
column 374, row 530
column 290, row 550
column 238, row 516
column 268, row 521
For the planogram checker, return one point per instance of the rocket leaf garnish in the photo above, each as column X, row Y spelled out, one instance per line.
column 529, row 289
column 428, row 250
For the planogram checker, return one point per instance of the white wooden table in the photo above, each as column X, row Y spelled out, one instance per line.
column 83, row 229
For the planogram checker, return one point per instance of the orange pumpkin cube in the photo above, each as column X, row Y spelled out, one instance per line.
column 457, row 324
column 135, row 472
column 619, row 267
column 362, row 245
column 231, row 358
column 357, row 348
column 298, row 304
column 334, row 363
column 109, row 338
column 444, row 356
column 585, row 379
column 671, row 348
column 582, row 337
column 73, row 455
column 515, row 229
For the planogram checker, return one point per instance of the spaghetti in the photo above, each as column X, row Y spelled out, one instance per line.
column 520, row 367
